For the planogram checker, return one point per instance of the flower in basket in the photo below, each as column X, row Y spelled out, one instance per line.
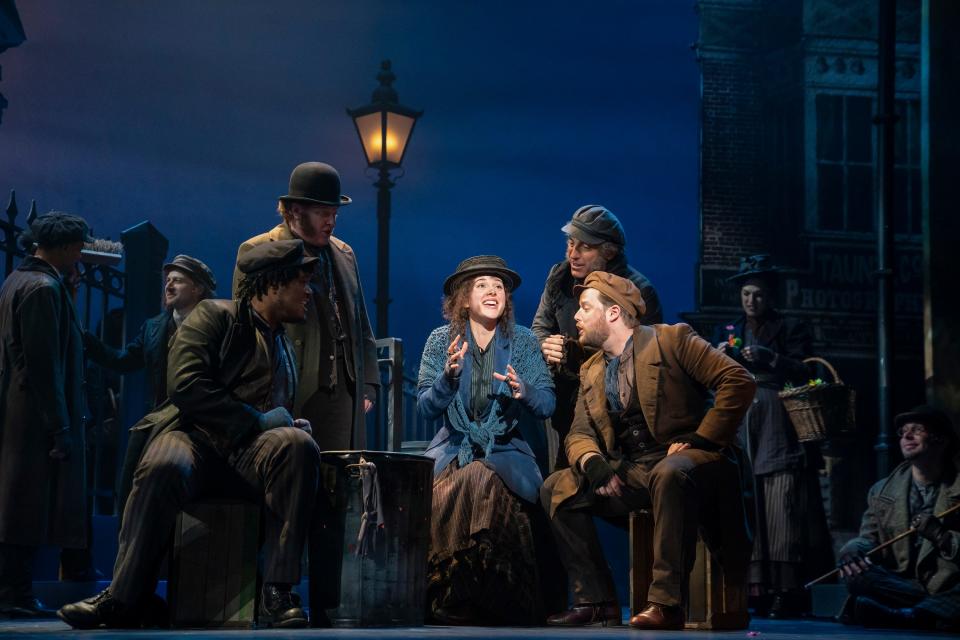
column 734, row 341
column 815, row 383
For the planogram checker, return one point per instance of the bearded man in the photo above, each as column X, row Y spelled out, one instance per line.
column 645, row 435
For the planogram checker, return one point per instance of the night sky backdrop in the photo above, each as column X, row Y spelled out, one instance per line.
column 192, row 113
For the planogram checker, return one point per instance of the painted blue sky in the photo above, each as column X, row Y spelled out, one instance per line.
column 191, row 113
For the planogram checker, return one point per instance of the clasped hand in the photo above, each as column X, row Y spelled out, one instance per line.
column 455, row 355
column 518, row 389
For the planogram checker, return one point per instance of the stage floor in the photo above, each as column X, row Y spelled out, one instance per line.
column 759, row 629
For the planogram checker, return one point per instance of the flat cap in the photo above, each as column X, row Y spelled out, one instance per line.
column 194, row 268
column 595, row 224
column 57, row 228
column 274, row 255
column 620, row 290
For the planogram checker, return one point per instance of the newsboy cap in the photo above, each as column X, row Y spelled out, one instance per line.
column 274, row 255
column 620, row 290
column 194, row 268
column 316, row 182
column 595, row 224
column 482, row 266
column 58, row 228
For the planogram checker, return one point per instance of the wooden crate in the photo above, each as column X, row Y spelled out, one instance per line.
column 213, row 568
column 713, row 603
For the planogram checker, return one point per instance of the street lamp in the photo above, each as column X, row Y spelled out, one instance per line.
column 384, row 127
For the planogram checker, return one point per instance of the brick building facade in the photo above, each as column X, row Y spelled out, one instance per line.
column 788, row 93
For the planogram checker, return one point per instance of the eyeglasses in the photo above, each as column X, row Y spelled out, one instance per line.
column 914, row 430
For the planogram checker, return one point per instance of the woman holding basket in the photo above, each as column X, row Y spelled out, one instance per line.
column 791, row 541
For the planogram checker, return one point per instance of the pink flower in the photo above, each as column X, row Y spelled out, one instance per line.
column 729, row 327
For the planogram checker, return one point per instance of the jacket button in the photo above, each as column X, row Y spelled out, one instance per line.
column 636, row 432
column 332, row 357
column 298, row 342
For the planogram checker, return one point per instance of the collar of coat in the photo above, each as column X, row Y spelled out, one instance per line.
column 33, row 263
column 646, row 363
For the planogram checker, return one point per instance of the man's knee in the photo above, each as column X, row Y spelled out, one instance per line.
column 672, row 470
column 291, row 443
column 169, row 460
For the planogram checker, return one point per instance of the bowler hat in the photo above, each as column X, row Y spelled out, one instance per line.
column 316, row 182
column 933, row 419
column 758, row 266
column 196, row 269
column 595, row 224
column 482, row 266
column 274, row 255
column 620, row 290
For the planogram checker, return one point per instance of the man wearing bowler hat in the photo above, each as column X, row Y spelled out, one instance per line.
column 336, row 350
column 646, row 434
column 227, row 431
column 187, row 281
column 915, row 582
column 595, row 242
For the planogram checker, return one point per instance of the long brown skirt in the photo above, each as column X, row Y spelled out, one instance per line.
column 482, row 562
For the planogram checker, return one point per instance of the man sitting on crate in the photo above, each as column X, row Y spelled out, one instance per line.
column 915, row 582
column 643, row 436
column 231, row 382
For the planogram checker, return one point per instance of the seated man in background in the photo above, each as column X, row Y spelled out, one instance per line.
column 227, row 428
column 915, row 582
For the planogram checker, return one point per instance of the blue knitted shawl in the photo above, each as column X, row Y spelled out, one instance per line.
column 525, row 357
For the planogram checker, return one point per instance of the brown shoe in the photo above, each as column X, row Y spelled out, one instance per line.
column 585, row 614
column 658, row 616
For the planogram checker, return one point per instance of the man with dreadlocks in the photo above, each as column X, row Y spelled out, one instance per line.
column 227, row 427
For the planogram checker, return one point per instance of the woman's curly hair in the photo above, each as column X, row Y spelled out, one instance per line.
column 456, row 312
column 259, row 284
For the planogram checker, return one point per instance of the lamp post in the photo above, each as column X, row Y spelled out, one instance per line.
column 384, row 127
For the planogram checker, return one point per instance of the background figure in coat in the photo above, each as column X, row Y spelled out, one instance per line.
column 485, row 377
column 227, row 430
column 335, row 347
column 792, row 544
column 187, row 281
column 915, row 582
column 42, row 473
column 595, row 242
column 644, row 435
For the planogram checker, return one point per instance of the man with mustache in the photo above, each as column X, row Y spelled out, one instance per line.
column 595, row 242
column 227, row 430
column 336, row 350
column 645, row 435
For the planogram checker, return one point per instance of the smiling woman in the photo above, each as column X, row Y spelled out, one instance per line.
column 484, row 377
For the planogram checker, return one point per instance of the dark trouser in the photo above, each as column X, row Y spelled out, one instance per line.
column 894, row 590
column 16, row 571
column 330, row 412
column 279, row 467
column 685, row 491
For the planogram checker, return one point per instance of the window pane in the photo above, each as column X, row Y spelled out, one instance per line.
column 829, row 127
column 859, row 198
column 914, row 112
column 901, row 208
column 916, row 204
column 859, row 129
column 900, row 131
column 830, row 197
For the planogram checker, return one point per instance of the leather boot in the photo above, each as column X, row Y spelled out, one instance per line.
column 659, row 617
column 102, row 611
column 581, row 615
column 280, row 607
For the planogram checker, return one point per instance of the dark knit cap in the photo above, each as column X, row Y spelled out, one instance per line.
column 595, row 224
column 56, row 228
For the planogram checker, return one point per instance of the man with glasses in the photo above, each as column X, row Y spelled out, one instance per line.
column 595, row 242
column 915, row 582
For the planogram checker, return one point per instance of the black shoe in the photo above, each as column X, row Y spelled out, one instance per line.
column 588, row 614
column 280, row 607
column 870, row 613
column 457, row 615
column 25, row 607
column 102, row 611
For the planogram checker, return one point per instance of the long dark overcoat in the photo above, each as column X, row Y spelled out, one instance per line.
column 42, row 500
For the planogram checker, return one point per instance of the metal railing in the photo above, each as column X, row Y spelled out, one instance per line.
column 397, row 426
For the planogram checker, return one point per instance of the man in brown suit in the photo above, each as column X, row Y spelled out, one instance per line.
column 644, row 435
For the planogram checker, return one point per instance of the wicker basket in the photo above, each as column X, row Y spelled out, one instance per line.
column 821, row 411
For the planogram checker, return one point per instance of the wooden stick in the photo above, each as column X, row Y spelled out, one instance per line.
column 881, row 547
